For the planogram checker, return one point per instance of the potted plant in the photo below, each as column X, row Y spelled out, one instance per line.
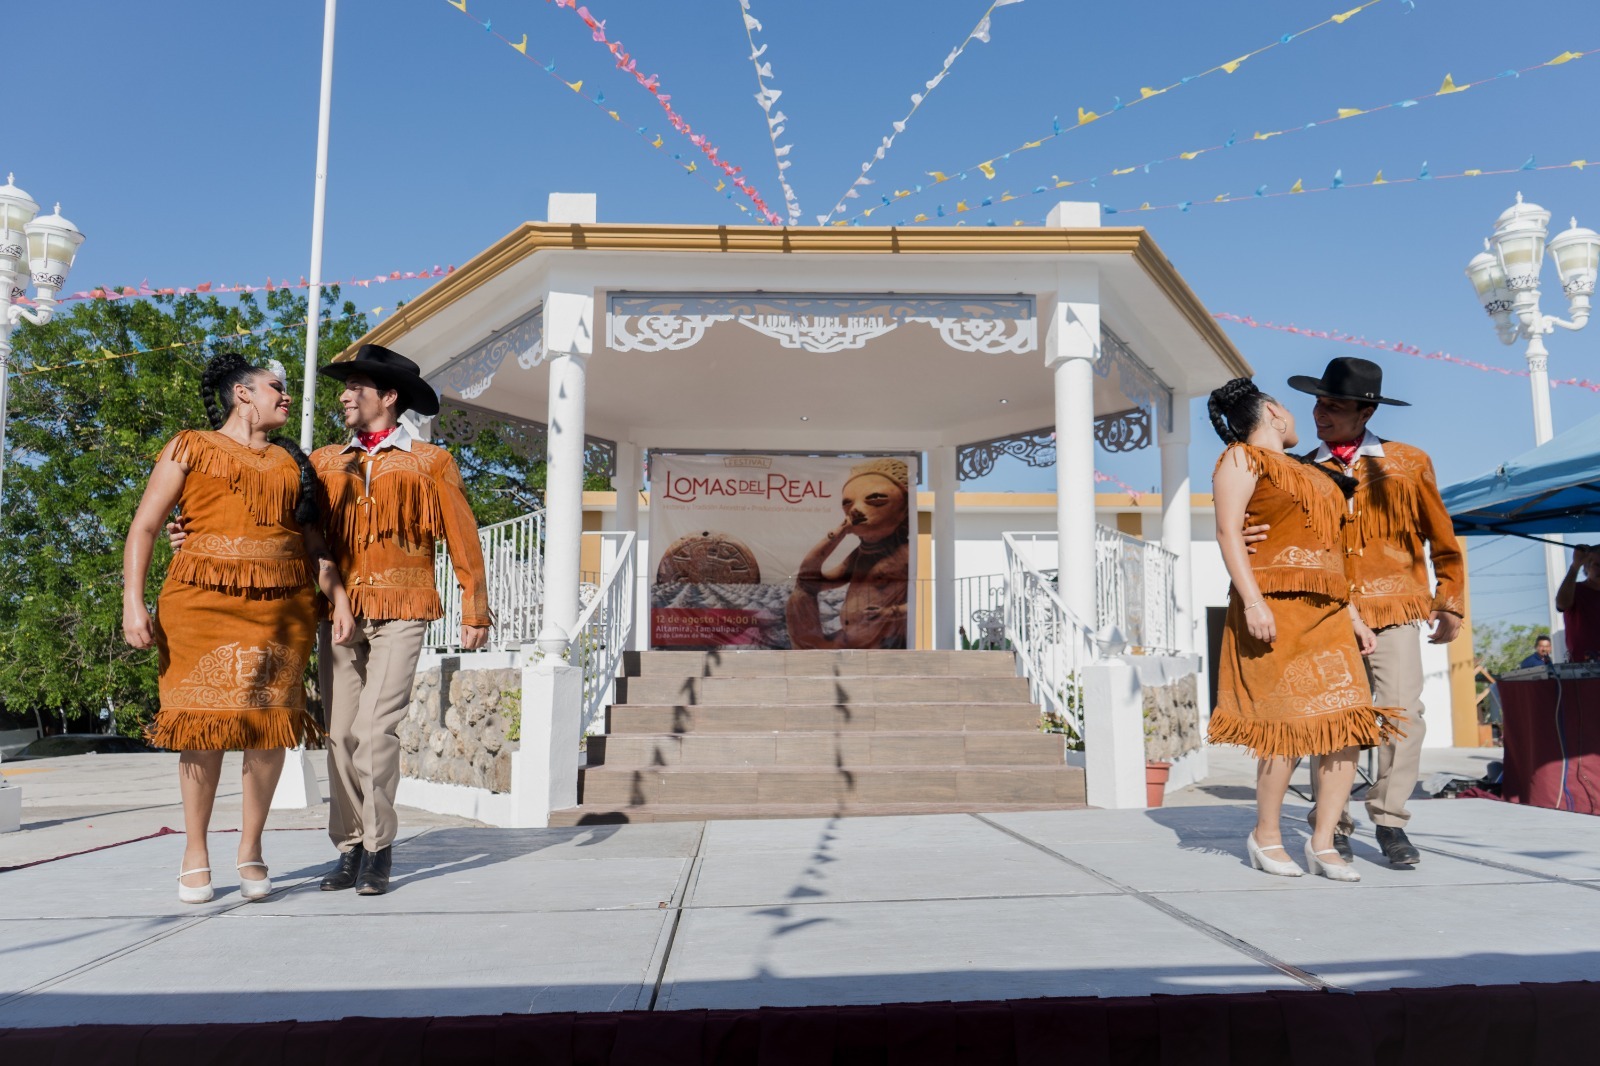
column 1155, row 770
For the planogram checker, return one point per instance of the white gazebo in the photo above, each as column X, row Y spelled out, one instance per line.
column 960, row 344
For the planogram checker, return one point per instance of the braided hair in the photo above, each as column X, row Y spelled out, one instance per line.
column 1236, row 409
column 222, row 373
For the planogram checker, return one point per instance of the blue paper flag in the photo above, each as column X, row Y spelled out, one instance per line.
column 1055, row 124
column 1231, row 137
column 550, row 67
column 1424, row 176
column 1117, row 103
column 1184, row 207
column 1261, row 190
column 1286, row 38
column 1338, row 178
column 987, row 200
column 1038, row 189
column 600, row 98
column 939, row 210
column 488, row 25
column 1529, row 165
column 1508, row 74
column 1109, row 210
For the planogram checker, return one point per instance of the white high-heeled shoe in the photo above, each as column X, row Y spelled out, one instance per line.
column 199, row 893
column 254, row 889
column 1332, row 871
column 1284, row 867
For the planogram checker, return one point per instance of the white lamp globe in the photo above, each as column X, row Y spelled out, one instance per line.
column 52, row 246
column 17, row 209
column 1518, row 243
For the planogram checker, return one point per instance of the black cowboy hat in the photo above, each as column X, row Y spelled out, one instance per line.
column 1347, row 378
column 389, row 370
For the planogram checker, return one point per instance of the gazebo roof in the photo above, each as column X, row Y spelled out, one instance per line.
column 732, row 387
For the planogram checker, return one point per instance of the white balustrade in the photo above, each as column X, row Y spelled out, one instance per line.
column 605, row 626
column 513, row 559
column 1052, row 644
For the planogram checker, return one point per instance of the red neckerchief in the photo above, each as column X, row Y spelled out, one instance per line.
column 370, row 441
column 1346, row 452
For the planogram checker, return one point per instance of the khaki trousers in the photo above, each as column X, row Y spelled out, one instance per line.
column 1395, row 670
column 367, row 687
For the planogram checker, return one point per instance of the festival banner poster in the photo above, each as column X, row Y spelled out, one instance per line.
column 779, row 551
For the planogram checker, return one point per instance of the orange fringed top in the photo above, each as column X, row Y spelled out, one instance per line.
column 385, row 512
column 1398, row 521
column 240, row 504
column 1305, row 509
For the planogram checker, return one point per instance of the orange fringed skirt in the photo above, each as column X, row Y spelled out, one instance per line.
column 1304, row 694
column 233, row 667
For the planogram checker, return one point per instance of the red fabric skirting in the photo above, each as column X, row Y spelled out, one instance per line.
column 1552, row 737
column 1462, row 1024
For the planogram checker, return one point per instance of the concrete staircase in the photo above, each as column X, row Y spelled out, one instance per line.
column 773, row 734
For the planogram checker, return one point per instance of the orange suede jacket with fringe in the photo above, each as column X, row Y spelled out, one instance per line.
column 1302, row 552
column 386, row 511
column 1396, row 522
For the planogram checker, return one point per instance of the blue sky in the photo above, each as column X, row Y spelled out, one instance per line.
column 181, row 137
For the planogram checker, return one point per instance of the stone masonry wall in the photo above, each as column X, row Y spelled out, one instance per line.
column 455, row 729
column 1172, row 718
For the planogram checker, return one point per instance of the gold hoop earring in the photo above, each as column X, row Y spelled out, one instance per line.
column 253, row 417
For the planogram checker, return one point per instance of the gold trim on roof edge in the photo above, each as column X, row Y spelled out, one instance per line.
column 533, row 237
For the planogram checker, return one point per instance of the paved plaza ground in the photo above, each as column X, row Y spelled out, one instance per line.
column 748, row 913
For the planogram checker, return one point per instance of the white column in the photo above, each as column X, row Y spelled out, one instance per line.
column 569, row 339
column 1071, row 346
column 942, row 479
column 1175, row 527
column 626, row 483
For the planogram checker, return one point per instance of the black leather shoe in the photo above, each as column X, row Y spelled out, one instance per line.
column 374, row 879
column 1396, row 848
column 344, row 874
column 1341, row 844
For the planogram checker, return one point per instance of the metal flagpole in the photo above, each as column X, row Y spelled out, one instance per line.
column 308, row 401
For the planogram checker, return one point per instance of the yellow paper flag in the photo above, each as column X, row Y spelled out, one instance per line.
column 614, row 116
column 576, row 86
column 1266, row 136
column 961, row 205
column 1299, row 185
column 657, row 142
column 692, row 167
column 1145, row 206
column 522, row 46
column 1018, row 222
column 1030, row 144
column 1233, row 65
column 1006, row 196
column 1449, row 86
column 1472, row 173
column 841, row 222
column 1579, row 163
column 868, row 212
column 459, row 5
column 920, row 218
column 1352, row 13
column 720, row 185
column 1086, row 117
column 901, row 194
column 1564, row 57
column 1379, row 179
column 1124, row 170
column 1146, row 92
column 1350, row 112
column 1219, row 199
column 1189, row 155
column 988, row 169
column 938, row 176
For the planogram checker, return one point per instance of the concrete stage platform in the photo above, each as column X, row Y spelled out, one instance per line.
column 784, row 913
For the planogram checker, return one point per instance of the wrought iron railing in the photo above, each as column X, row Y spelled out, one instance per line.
column 980, row 610
column 1134, row 590
column 513, row 560
column 605, row 627
column 1052, row 644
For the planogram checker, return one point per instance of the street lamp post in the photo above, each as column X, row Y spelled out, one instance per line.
column 1506, row 277
column 43, row 247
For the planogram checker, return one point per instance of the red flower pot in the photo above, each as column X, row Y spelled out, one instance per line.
column 1155, row 782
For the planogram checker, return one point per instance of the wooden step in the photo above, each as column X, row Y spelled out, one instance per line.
column 689, row 812
column 813, row 717
column 604, row 786
column 852, row 750
column 733, row 663
column 676, row 691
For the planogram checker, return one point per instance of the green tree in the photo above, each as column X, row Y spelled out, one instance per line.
column 1502, row 646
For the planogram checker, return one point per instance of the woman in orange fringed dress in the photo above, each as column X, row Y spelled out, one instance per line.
column 236, row 617
column 1290, row 676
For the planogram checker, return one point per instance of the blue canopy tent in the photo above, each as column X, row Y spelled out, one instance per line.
column 1554, row 488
